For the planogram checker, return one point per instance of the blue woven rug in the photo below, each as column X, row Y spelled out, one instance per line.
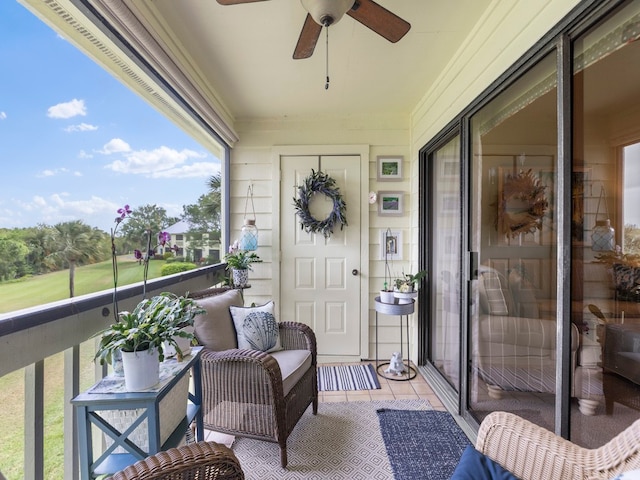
column 424, row 444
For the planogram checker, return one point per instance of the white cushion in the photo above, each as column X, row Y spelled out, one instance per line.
column 293, row 365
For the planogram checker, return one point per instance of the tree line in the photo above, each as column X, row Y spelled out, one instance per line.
column 66, row 245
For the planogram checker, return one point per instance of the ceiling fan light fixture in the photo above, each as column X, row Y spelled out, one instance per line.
column 327, row 12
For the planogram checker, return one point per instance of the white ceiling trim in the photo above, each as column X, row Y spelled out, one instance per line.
column 70, row 21
column 131, row 28
column 138, row 36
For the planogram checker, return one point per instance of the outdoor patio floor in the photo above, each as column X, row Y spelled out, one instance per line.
column 414, row 389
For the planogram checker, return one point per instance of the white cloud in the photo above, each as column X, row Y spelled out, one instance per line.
column 116, row 145
column 51, row 173
column 81, row 127
column 68, row 109
column 163, row 162
column 84, row 154
column 59, row 207
column 3, row 115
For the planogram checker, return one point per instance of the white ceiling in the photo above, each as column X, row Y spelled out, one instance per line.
column 242, row 54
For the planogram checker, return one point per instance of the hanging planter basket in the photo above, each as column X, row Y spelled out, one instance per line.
column 320, row 183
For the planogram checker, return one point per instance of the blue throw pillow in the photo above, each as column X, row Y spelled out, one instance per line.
column 631, row 475
column 473, row 465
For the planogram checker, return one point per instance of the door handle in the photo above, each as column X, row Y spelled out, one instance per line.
column 354, row 272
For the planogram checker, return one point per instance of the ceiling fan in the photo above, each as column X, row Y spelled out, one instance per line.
column 323, row 13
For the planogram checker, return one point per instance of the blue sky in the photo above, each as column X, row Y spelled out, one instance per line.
column 77, row 144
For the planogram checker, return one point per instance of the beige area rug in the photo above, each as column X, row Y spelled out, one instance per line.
column 342, row 442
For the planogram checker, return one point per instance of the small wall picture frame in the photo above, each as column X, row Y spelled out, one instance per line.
column 390, row 245
column 389, row 168
column 390, row 203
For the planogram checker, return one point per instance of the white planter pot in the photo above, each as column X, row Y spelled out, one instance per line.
column 240, row 277
column 386, row 297
column 183, row 343
column 141, row 369
column 405, row 297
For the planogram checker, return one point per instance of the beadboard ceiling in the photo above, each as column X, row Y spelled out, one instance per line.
column 242, row 55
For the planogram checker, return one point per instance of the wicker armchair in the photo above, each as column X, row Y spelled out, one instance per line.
column 254, row 394
column 201, row 460
column 531, row 452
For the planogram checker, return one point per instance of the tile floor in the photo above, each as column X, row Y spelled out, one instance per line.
column 414, row 389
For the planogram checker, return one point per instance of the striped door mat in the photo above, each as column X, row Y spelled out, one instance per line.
column 347, row 377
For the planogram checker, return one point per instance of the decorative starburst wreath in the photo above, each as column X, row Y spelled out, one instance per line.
column 320, row 183
column 524, row 187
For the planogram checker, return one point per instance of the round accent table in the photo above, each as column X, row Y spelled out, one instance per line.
column 401, row 310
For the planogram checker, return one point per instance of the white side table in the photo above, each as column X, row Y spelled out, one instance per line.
column 403, row 310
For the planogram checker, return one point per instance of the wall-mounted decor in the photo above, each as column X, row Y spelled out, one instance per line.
column 389, row 168
column 322, row 183
column 390, row 245
column 390, row 203
column 522, row 203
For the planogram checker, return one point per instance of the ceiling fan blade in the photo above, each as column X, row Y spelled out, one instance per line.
column 237, row 2
column 379, row 19
column 308, row 39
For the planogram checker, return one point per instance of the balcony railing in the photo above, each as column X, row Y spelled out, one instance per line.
column 29, row 336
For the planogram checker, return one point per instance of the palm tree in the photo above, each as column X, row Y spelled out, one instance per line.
column 213, row 203
column 73, row 243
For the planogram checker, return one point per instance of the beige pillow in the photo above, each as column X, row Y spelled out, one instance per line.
column 495, row 297
column 214, row 329
column 524, row 295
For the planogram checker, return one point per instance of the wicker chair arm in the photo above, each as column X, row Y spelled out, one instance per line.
column 297, row 336
column 533, row 452
column 202, row 460
column 241, row 367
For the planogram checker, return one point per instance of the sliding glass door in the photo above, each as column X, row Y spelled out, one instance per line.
column 512, row 317
column 606, row 226
column 445, row 263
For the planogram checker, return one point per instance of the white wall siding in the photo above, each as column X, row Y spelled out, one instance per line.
column 252, row 158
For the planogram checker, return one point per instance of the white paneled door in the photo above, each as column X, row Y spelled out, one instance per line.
column 320, row 277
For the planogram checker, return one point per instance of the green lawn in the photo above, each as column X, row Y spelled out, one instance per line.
column 36, row 291
column 55, row 286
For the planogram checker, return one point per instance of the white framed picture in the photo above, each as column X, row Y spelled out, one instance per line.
column 390, row 203
column 389, row 168
column 390, row 245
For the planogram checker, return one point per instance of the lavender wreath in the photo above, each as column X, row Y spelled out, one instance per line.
column 319, row 182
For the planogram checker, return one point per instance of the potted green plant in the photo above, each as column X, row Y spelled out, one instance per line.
column 406, row 286
column 239, row 263
column 386, row 294
column 142, row 334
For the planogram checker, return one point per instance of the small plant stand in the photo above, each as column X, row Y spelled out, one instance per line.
column 401, row 310
column 92, row 407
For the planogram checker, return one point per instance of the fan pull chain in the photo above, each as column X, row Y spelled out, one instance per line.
column 326, row 85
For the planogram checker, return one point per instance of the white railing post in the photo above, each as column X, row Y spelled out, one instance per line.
column 34, row 421
column 71, row 389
